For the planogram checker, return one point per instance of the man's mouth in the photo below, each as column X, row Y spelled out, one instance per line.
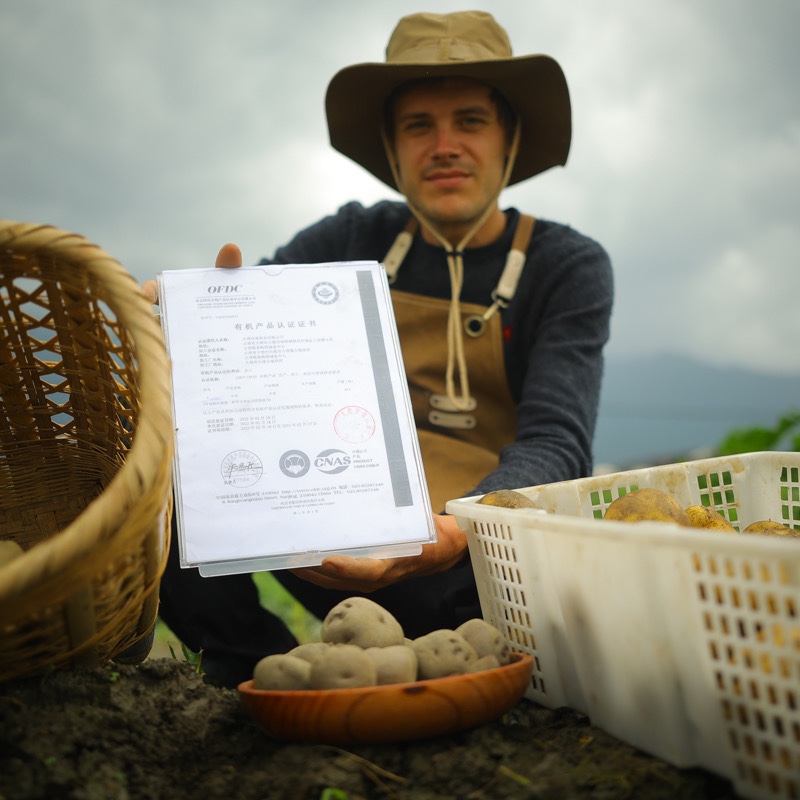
column 446, row 177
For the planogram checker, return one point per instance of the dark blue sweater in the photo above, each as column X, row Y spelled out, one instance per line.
column 555, row 327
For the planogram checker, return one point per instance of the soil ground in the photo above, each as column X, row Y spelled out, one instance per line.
column 157, row 730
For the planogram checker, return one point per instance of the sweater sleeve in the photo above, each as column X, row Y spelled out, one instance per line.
column 558, row 326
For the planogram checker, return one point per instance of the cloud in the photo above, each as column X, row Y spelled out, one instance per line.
column 162, row 130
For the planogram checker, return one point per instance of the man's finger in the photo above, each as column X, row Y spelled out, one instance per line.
column 347, row 573
column 150, row 291
column 229, row 256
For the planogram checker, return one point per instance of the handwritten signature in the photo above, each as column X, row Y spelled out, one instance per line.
column 241, row 467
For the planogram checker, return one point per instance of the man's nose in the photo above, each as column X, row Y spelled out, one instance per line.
column 446, row 144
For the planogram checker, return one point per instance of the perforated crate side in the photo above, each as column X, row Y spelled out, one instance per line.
column 723, row 610
column 505, row 592
column 749, row 608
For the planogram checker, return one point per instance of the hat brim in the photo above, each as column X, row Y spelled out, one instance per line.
column 534, row 85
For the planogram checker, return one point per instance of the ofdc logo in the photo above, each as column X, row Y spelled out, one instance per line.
column 332, row 462
column 224, row 289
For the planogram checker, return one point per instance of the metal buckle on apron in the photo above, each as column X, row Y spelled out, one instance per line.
column 441, row 402
column 449, row 420
column 446, row 415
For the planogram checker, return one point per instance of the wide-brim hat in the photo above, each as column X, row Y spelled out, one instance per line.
column 468, row 44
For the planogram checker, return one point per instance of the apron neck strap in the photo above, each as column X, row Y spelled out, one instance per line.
column 515, row 260
column 501, row 297
column 399, row 249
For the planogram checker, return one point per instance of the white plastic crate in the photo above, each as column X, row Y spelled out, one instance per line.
column 683, row 642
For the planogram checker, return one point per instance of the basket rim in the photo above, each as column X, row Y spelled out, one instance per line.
column 153, row 440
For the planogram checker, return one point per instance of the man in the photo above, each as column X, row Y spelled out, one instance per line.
column 502, row 322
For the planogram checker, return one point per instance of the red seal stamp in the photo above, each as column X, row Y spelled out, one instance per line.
column 354, row 424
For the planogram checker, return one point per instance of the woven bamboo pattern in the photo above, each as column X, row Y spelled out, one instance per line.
column 86, row 446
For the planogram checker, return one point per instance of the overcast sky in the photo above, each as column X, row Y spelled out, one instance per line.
column 162, row 129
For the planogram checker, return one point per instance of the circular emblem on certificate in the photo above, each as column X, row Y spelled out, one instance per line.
column 294, row 463
column 354, row 424
column 241, row 468
column 325, row 292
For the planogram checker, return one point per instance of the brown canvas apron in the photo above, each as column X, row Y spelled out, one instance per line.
column 459, row 448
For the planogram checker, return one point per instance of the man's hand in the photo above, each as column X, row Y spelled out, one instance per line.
column 368, row 574
column 229, row 256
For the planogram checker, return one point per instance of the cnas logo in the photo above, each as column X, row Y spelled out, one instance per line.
column 332, row 462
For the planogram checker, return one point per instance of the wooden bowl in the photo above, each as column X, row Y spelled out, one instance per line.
column 392, row 713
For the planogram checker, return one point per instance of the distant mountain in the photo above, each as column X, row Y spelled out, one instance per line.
column 653, row 409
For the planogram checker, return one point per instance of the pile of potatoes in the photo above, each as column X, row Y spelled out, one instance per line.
column 364, row 645
column 654, row 504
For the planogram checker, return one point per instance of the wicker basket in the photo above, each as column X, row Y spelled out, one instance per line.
column 86, row 448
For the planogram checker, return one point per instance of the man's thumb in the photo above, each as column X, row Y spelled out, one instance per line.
column 229, row 256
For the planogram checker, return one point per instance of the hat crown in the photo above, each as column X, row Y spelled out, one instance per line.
column 443, row 38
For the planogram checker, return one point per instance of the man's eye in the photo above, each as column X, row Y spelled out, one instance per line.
column 473, row 122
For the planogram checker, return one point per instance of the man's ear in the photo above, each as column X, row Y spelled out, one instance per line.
column 391, row 157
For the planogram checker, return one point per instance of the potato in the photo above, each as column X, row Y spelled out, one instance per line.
column 507, row 498
column 770, row 527
column 707, row 517
column 485, row 639
column 484, row 663
column 310, row 651
column 341, row 661
column 646, row 504
column 281, row 672
column 362, row 622
column 394, row 664
column 443, row 652
column 343, row 666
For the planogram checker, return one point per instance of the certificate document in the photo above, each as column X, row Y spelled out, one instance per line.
column 294, row 433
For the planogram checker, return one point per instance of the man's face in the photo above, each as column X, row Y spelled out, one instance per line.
column 450, row 149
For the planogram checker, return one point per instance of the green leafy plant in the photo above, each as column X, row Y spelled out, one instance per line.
column 784, row 435
column 275, row 598
column 196, row 659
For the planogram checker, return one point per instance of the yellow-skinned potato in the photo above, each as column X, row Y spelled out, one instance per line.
column 646, row 504
column 770, row 527
column 706, row 517
column 507, row 498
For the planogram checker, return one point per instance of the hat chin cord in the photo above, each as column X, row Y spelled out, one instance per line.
column 455, row 264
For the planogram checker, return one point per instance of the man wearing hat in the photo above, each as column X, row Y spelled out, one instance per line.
column 502, row 319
